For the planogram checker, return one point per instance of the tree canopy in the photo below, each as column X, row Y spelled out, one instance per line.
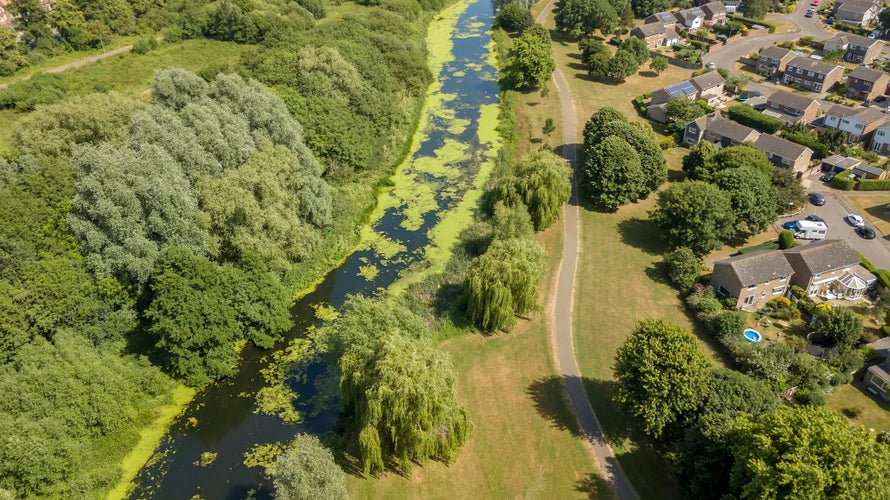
column 531, row 62
column 694, row 214
column 541, row 181
column 752, row 196
column 586, row 16
column 307, row 471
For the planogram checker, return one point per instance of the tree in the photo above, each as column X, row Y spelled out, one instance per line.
column 786, row 239
column 598, row 65
column 682, row 111
column 586, row 16
column 637, row 47
column 307, row 471
column 833, row 55
column 757, row 9
column 645, row 8
column 515, row 18
column 541, row 181
column 30, row 18
column 662, row 375
column 192, row 318
column 742, row 155
column 789, row 192
column 694, row 214
column 643, row 140
column 594, row 126
column 531, row 62
column 11, row 57
column 622, row 65
column 589, row 47
column 612, row 174
column 658, row 64
column 735, row 83
column 683, row 267
column 69, row 22
column 733, row 393
column 834, row 138
column 841, row 325
column 397, row 387
column 752, row 197
column 699, row 163
column 806, row 452
column 503, row 283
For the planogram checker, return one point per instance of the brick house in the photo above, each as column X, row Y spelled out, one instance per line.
column 667, row 19
column 753, row 279
column 720, row 131
column 812, row 75
column 773, row 60
column 859, row 124
column 857, row 49
column 880, row 141
column 656, row 35
column 691, row 19
column 715, row 13
column 709, row 87
column 865, row 83
column 791, row 108
column 784, row 153
column 829, row 268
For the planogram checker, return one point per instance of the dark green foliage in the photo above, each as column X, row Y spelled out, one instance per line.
column 612, row 174
column 789, row 192
column 830, row 459
column 641, row 138
column 531, row 62
column 752, row 197
column 809, row 138
column 43, row 88
column 541, row 181
column 742, row 155
column 662, row 375
column 658, row 64
column 681, row 110
column 503, row 283
column 843, row 180
column 144, row 45
column 729, row 323
column 586, row 16
column 757, row 9
column 874, row 184
column 598, row 120
column 637, row 47
column 841, row 325
column 699, row 163
column 701, row 462
column 694, row 214
column 621, row 65
column 746, row 115
column 733, row 394
column 515, row 18
column 397, row 387
column 683, row 267
column 645, row 8
column 317, row 8
column 786, row 239
column 307, row 471
column 590, row 47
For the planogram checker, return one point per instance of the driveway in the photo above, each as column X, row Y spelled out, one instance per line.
column 834, row 212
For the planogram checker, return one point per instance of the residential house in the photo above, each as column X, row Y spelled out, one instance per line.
column 715, row 13
column 791, row 108
column 880, row 142
column 866, row 83
column 877, row 377
column 716, row 129
column 784, row 153
column 691, row 19
column 773, row 60
column 656, row 109
column 753, row 279
column 812, row 75
column 866, row 171
column 656, row 35
column 859, row 124
column 829, row 268
column 709, row 87
column 858, row 49
column 667, row 19
column 838, row 163
column 730, row 5
column 857, row 12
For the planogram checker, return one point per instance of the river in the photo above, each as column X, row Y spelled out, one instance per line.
column 434, row 194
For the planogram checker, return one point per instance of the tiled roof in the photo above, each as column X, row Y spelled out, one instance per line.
column 774, row 52
column 805, row 63
column 789, row 100
column 707, row 80
column 732, row 130
column 826, row 255
column 849, row 38
column 713, row 8
column 758, row 267
column 866, row 74
column 869, row 169
column 651, row 29
column 841, row 161
column 779, row 147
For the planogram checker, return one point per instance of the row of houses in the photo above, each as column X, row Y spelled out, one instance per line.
column 662, row 28
column 816, row 75
column 827, row 268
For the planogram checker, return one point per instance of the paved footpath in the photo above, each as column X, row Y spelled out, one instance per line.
column 560, row 309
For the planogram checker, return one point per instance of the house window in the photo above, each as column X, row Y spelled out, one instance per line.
column 752, row 287
column 817, row 87
column 810, row 74
column 779, row 289
column 749, row 300
column 798, row 71
column 858, row 126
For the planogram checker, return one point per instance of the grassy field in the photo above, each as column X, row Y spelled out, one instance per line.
column 131, row 73
column 873, row 208
column 525, row 443
column 859, row 407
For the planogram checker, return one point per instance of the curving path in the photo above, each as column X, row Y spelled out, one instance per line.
column 560, row 308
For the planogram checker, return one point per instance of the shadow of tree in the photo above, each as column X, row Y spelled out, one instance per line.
column 658, row 272
column 676, row 175
column 548, row 396
column 642, row 234
column 577, row 66
column 594, row 486
column 648, row 74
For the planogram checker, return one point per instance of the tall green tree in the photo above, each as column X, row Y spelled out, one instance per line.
column 662, row 375
column 645, row 8
column 752, row 196
column 541, row 181
column 612, row 174
column 30, row 18
column 515, row 18
column 806, row 452
column 789, row 191
column 742, row 155
column 683, row 267
column 637, row 47
column 643, row 140
column 586, row 16
column 531, row 62
column 11, row 57
column 596, row 123
column 622, row 65
column 658, row 64
column 694, row 214
column 307, row 471
column 503, row 283
column 841, row 325
column 757, row 9
column 699, row 163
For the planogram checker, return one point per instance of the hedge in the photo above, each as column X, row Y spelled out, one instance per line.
column 820, row 149
column 843, row 180
column 882, row 274
column 748, row 22
column 747, row 115
column 874, row 184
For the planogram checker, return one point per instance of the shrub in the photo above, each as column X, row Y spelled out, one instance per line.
column 874, row 184
column 843, row 181
column 786, row 239
column 683, row 267
column 808, row 139
column 747, row 115
column 810, row 396
column 144, row 45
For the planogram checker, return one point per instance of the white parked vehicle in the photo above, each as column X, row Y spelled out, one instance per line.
column 855, row 220
column 810, row 230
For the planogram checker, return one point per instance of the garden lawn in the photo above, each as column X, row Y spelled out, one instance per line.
column 525, row 443
column 859, row 408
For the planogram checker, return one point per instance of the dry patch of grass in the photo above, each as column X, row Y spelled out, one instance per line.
column 873, row 208
column 859, row 408
column 525, row 443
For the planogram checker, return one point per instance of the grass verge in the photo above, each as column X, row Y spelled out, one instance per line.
column 858, row 407
column 873, row 207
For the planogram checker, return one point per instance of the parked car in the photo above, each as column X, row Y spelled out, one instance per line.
column 828, row 176
column 712, row 65
column 792, row 225
column 808, row 14
column 815, row 218
column 817, row 199
column 855, row 220
column 866, row 232
column 866, row 103
column 814, row 3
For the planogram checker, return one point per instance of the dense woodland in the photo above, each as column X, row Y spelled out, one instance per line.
column 145, row 237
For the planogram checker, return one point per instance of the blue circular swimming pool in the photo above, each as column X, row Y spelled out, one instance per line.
column 752, row 336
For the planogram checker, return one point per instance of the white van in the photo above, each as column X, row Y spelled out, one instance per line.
column 810, row 230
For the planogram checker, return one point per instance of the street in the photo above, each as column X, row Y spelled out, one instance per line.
column 834, row 212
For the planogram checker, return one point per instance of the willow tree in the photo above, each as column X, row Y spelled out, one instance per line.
column 398, row 388
column 542, row 182
column 503, row 283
